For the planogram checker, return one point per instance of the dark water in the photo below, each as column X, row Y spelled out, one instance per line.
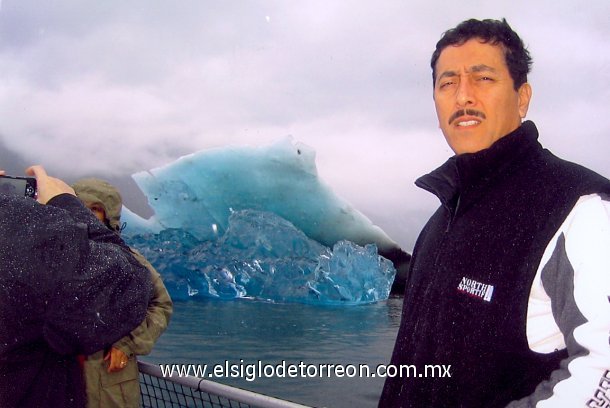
column 210, row 332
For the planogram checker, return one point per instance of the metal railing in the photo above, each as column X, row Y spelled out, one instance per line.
column 177, row 392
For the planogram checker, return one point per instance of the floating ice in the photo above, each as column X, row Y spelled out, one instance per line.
column 197, row 193
column 258, row 222
column 263, row 256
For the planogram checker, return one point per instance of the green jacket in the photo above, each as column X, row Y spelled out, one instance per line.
column 122, row 388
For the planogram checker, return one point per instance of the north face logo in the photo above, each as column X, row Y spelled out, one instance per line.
column 477, row 289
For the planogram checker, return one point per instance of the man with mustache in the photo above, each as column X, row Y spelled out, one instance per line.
column 507, row 296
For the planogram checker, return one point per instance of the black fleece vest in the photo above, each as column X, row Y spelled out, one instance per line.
column 473, row 266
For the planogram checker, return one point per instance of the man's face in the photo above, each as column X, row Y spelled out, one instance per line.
column 476, row 102
column 98, row 211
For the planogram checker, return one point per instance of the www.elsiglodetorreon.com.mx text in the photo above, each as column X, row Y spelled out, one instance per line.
column 283, row 369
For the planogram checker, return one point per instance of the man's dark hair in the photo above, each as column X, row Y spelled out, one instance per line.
column 494, row 32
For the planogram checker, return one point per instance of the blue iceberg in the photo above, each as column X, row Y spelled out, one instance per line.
column 263, row 256
column 239, row 222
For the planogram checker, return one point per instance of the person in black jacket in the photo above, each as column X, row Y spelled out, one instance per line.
column 68, row 286
column 506, row 299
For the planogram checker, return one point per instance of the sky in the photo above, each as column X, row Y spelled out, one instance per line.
column 110, row 88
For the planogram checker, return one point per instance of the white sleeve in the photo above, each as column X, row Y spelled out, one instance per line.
column 570, row 308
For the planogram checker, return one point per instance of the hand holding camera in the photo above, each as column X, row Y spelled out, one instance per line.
column 47, row 187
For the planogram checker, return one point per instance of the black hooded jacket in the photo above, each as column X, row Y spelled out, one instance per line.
column 68, row 286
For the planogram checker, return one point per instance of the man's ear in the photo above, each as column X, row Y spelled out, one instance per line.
column 525, row 95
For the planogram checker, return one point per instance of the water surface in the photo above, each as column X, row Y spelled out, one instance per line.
column 210, row 332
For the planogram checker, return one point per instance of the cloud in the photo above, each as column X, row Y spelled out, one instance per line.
column 113, row 87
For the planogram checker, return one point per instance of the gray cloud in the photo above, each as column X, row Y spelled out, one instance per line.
column 110, row 88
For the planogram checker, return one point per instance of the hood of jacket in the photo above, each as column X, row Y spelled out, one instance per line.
column 97, row 191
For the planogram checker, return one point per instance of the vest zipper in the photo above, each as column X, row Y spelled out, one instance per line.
column 452, row 214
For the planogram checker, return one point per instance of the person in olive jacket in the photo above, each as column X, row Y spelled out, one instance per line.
column 68, row 286
column 111, row 375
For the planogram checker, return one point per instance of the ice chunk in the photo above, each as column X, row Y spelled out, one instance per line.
column 264, row 256
column 197, row 193
column 194, row 198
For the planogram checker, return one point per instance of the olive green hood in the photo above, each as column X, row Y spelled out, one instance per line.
column 96, row 191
